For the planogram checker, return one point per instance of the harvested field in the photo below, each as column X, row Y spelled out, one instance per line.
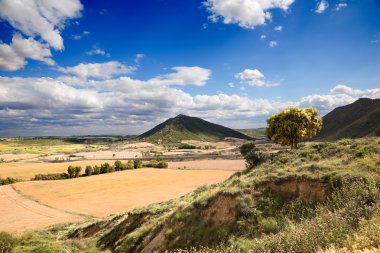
column 19, row 213
column 232, row 165
column 117, row 192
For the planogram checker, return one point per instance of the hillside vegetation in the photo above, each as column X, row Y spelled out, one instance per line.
column 253, row 132
column 321, row 197
column 356, row 120
column 182, row 127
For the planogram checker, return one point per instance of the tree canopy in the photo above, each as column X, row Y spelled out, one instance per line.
column 293, row 125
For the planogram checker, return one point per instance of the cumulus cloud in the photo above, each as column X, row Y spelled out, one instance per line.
column 263, row 37
column 44, row 18
column 98, row 70
column 340, row 6
column 278, row 28
column 245, row 13
column 338, row 96
column 81, row 36
column 184, row 76
column 98, row 51
column 322, row 6
column 254, row 77
column 273, row 43
column 13, row 56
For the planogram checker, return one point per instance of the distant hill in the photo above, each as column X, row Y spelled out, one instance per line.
column 182, row 127
column 253, row 132
column 359, row 119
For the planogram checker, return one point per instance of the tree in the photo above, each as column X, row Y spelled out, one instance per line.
column 77, row 171
column 118, row 165
column 96, row 170
column 293, row 125
column 89, row 171
column 250, row 154
column 105, row 168
column 71, row 171
column 137, row 163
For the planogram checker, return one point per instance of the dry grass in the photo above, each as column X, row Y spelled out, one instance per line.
column 118, row 192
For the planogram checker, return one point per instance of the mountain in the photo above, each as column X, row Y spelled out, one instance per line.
column 182, row 127
column 359, row 119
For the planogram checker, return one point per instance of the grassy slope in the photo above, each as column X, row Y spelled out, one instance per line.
column 253, row 132
column 359, row 119
column 183, row 127
column 245, row 214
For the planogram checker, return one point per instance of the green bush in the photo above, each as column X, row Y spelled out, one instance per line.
column 137, row 163
column 89, row 170
column 56, row 176
column 77, row 171
column 96, row 170
column 251, row 156
column 71, row 171
column 162, row 164
column 118, row 165
column 105, row 168
column 8, row 180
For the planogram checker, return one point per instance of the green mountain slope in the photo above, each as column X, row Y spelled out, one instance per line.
column 356, row 120
column 253, row 132
column 182, row 127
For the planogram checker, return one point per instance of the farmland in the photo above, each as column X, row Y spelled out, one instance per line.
column 37, row 204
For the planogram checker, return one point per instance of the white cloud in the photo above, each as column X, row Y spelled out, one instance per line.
column 231, row 85
column 98, row 70
column 138, row 58
column 263, row 37
column 13, row 56
column 245, row 13
column 340, row 6
column 81, row 36
column 44, row 18
column 322, row 6
column 184, row 76
column 278, row 28
column 273, row 43
column 254, row 77
column 339, row 95
column 98, row 51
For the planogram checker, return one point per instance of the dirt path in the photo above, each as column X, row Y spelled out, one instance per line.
column 19, row 213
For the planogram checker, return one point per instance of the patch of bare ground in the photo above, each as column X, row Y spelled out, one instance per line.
column 19, row 213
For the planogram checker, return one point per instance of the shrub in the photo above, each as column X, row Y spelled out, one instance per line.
column 56, row 176
column 118, row 165
column 89, row 170
column 137, row 163
column 105, row 168
column 162, row 164
column 252, row 158
column 8, row 180
column 48, row 248
column 77, row 171
column 96, row 170
column 71, row 171
column 7, row 242
column 186, row 146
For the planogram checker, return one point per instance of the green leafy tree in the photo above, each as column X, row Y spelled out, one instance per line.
column 89, row 170
column 118, row 165
column 96, row 170
column 137, row 163
column 71, row 171
column 293, row 125
column 77, row 171
column 105, row 168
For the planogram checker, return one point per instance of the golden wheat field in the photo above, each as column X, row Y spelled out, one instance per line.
column 37, row 204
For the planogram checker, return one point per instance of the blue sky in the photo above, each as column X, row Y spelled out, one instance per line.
column 120, row 67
